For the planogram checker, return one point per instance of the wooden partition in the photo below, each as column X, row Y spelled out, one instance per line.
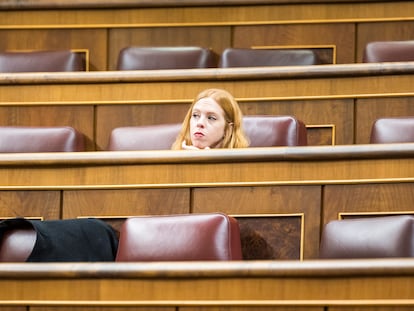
column 339, row 30
column 281, row 196
column 325, row 285
column 338, row 103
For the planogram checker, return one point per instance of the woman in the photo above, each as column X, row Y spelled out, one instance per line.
column 214, row 120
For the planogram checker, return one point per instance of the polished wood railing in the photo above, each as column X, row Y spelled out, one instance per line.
column 380, row 284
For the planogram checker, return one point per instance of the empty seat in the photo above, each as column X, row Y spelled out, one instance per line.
column 373, row 237
column 234, row 57
column 263, row 131
column 65, row 240
column 389, row 51
column 182, row 57
column 40, row 139
column 41, row 61
column 392, row 130
column 212, row 236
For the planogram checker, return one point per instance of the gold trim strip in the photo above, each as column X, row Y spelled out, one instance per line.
column 214, row 184
column 187, row 101
column 304, row 302
column 204, row 24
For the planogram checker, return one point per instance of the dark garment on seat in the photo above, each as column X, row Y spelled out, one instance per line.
column 69, row 240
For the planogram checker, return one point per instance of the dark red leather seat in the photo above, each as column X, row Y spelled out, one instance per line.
column 41, row 61
column 392, row 130
column 389, row 51
column 263, row 131
column 40, row 139
column 373, row 237
column 211, row 236
column 234, row 57
column 179, row 57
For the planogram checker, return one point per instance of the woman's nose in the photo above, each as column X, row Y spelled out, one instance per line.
column 200, row 122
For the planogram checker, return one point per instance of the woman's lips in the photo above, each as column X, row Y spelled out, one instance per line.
column 198, row 134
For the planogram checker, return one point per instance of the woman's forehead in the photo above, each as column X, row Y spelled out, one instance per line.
column 208, row 104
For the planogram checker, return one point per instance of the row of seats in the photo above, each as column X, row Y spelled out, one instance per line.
column 263, row 131
column 187, row 57
column 149, row 58
column 209, row 236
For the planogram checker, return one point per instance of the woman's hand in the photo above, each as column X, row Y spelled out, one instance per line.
column 185, row 147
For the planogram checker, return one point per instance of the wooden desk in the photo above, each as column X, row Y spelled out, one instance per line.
column 308, row 285
column 338, row 103
column 296, row 189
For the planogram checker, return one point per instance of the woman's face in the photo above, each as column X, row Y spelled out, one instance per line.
column 207, row 124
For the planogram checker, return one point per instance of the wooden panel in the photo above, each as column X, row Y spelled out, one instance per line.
column 340, row 36
column 216, row 38
column 109, row 117
column 263, row 237
column 274, row 201
column 368, row 110
column 382, row 31
column 126, row 202
column 58, row 39
column 371, row 199
column 79, row 117
column 37, row 204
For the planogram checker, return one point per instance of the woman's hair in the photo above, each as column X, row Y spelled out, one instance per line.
column 234, row 136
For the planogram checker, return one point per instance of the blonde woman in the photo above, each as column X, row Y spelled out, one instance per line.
column 214, row 120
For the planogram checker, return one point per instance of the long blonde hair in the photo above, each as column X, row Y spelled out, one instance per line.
column 234, row 136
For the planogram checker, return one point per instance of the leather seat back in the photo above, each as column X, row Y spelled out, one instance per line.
column 234, row 57
column 374, row 237
column 180, row 57
column 213, row 236
column 40, row 139
column 41, row 61
column 392, row 130
column 389, row 51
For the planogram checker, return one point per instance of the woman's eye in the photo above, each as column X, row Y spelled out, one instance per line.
column 195, row 115
column 213, row 118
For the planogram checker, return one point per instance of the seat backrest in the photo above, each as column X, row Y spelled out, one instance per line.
column 263, row 131
column 270, row 131
column 234, row 57
column 392, row 130
column 373, row 237
column 212, row 236
column 180, row 57
column 40, row 139
column 389, row 51
column 41, row 61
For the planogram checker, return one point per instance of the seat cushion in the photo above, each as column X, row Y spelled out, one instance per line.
column 185, row 237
